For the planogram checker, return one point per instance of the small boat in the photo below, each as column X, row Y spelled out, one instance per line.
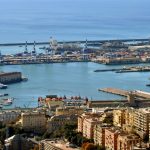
column 3, row 86
column 8, row 101
column 5, row 94
column 24, row 79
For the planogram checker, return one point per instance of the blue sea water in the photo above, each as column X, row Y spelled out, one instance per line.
column 22, row 20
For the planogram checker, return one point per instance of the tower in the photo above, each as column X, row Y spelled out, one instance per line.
column 84, row 57
column 131, row 98
column 26, row 48
column 34, row 49
column 1, row 57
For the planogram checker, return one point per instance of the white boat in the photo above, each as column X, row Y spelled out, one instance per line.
column 5, row 94
column 7, row 102
column 3, row 86
column 24, row 79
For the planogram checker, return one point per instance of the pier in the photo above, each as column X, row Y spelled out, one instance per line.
column 115, row 91
column 141, row 95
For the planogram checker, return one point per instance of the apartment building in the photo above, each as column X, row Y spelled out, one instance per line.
column 141, row 122
column 111, row 138
column 119, row 117
column 55, row 122
column 127, row 141
column 99, row 133
column 9, row 116
column 88, row 127
column 33, row 121
column 129, row 120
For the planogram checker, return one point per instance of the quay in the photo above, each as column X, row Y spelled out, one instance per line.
column 115, row 91
column 80, row 41
column 137, row 93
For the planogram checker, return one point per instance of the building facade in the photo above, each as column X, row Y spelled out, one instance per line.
column 111, row 137
column 88, row 127
column 129, row 120
column 127, row 141
column 33, row 121
column 56, row 122
column 9, row 116
column 99, row 133
column 119, row 117
column 141, row 122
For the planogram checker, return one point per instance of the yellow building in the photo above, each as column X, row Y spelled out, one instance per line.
column 99, row 133
column 119, row 117
column 33, row 121
column 129, row 120
column 141, row 122
column 56, row 122
column 69, row 110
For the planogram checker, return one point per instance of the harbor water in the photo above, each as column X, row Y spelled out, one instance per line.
column 70, row 79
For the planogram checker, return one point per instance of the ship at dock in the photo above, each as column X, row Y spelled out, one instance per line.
column 3, row 86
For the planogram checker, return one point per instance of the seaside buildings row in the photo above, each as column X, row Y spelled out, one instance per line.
column 126, row 131
column 114, row 128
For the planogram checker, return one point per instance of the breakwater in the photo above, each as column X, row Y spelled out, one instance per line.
column 127, row 69
column 78, row 41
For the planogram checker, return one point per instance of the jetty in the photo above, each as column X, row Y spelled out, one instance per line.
column 142, row 95
column 115, row 91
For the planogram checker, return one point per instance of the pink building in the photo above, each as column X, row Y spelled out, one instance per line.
column 82, row 117
column 111, row 137
column 88, row 127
